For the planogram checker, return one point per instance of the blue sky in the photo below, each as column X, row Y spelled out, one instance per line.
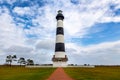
column 108, row 32
column 91, row 31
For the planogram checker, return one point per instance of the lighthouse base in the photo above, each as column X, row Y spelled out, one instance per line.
column 60, row 64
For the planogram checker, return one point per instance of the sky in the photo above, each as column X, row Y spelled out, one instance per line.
column 91, row 27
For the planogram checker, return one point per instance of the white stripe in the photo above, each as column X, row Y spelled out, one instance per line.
column 59, row 23
column 59, row 38
column 59, row 54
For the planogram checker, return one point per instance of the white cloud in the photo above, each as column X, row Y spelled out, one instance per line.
column 19, row 49
column 10, row 1
column 10, row 33
column 22, row 10
column 78, row 18
column 111, row 19
column 47, row 44
column 103, row 53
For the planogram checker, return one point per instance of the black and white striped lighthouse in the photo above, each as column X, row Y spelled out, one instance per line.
column 59, row 59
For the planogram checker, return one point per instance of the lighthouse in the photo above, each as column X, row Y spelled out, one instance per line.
column 60, row 58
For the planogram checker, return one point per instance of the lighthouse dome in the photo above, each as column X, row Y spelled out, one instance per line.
column 59, row 15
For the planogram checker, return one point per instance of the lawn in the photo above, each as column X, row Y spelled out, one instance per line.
column 22, row 73
column 97, row 73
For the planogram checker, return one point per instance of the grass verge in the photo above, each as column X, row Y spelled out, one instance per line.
column 97, row 73
column 22, row 73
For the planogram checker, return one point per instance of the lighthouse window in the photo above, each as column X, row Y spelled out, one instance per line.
column 60, row 30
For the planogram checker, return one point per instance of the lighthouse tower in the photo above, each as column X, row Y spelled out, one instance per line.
column 59, row 59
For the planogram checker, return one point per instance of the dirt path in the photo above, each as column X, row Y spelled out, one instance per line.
column 59, row 74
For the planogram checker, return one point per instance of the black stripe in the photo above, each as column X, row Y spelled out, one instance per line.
column 60, row 17
column 59, row 47
column 60, row 30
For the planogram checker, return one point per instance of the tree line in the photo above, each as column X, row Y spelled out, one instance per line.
column 21, row 60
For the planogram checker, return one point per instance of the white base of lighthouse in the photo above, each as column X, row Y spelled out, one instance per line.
column 60, row 64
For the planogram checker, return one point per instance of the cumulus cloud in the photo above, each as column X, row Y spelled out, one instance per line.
column 76, row 16
column 19, row 49
column 22, row 10
column 47, row 44
column 10, row 33
column 103, row 53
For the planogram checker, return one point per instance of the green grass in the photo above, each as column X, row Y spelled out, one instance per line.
column 22, row 73
column 97, row 73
